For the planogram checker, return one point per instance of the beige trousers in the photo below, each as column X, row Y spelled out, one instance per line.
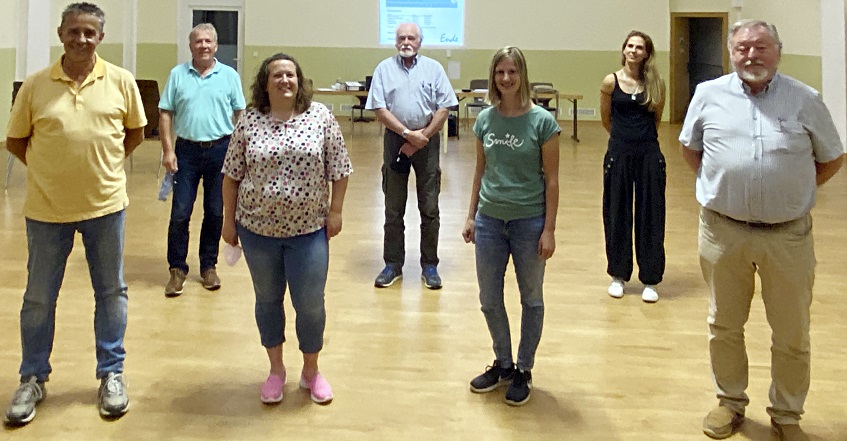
column 731, row 252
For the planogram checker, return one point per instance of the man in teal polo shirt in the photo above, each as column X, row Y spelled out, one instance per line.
column 201, row 101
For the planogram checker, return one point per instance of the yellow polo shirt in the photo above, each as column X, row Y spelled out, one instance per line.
column 75, row 157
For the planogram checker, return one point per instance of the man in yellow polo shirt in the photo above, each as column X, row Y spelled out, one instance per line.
column 73, row 124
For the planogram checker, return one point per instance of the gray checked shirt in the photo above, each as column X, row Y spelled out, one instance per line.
column 759, row 151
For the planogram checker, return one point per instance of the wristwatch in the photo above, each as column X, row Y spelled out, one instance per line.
column 405, row 133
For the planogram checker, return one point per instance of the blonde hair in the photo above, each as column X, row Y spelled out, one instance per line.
column 647, row 72
column 514, row 54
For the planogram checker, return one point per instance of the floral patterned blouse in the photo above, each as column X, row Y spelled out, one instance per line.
column 284, row 168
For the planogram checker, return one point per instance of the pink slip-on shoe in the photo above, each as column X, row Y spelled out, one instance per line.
column 319, row 388
column 272, row 389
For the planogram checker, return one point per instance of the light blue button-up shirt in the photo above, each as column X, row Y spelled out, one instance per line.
column 412, row 95
column 759, row 151
column 202, row 106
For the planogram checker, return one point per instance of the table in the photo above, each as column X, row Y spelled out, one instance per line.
column 573, row 98
column 460, row 94
column 359, row 94
column 340, row 92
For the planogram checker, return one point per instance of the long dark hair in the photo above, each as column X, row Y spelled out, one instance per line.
column 260, row 99
column 647, row 72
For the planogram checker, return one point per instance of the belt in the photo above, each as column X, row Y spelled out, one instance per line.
column 751, row 224
column 206, row 144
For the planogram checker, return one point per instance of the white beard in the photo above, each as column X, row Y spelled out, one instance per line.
column 406, row 53
column 754, row 76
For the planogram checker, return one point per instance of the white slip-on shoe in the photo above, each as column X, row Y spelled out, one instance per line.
column 616, row 288
column 649, row 294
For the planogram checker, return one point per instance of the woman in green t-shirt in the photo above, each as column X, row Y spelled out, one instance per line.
column 512, row 213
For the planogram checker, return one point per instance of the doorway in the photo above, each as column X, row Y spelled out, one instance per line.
column 698, row 53
column 228, row 18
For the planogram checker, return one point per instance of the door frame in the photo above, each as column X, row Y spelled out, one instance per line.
column 677, row 101
column 185, row 14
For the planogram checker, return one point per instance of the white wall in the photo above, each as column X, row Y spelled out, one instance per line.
column 8, row 24
column 556, row 24
column 562, row 25
column 157, row 21
column 834, row 62
column 33, row 38
column 796, row 21
column 699, row 5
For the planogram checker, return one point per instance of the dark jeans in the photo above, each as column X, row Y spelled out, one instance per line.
column 425, row 163
column 195, row 163
column 634, row 169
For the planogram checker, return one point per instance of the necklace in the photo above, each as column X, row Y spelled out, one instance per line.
column 635, row 94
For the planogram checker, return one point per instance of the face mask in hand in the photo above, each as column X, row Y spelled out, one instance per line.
column 232, row 254
column 401, row 164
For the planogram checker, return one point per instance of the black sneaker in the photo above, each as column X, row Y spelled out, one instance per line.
column 493, row 377
column 518, row 392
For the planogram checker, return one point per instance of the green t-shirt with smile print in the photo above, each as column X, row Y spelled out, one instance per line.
column 513, row 180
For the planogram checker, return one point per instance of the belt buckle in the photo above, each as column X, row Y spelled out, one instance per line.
column 206, row 144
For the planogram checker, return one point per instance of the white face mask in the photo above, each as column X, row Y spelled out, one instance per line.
column 232, row 254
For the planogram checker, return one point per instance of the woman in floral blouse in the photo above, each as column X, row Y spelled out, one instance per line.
column 284, row 152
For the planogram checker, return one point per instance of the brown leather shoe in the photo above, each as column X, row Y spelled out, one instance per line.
column 722, row 422
column 788, row 432
column 211, row 281
column 176, row 283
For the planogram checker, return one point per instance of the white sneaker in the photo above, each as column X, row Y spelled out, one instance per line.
column 616, row 288
column 649, row 294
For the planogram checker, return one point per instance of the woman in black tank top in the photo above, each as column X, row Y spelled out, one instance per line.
column 631, row 105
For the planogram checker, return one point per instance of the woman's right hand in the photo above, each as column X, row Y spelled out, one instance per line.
column 228, row 232
column 468, row 231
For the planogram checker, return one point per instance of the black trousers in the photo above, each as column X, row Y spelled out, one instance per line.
column 634, row 169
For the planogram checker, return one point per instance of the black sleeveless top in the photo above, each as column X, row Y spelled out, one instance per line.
column 631, row 121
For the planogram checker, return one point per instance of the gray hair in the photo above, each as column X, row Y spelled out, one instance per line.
column 417, row 26
column 749, row 23
column 84, row 8
column 204, row 27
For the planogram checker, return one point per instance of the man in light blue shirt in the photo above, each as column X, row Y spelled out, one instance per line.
column 201, row 101
column 410, row 95
column 761, row 143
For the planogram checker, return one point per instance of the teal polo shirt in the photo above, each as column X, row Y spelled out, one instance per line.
column 202, row 106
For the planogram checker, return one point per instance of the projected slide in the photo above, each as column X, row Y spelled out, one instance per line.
column 442, row 21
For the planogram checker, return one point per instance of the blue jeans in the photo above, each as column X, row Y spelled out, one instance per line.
column 302, row 263
column 195, row 163
column 496, row 240
column 49, row 245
